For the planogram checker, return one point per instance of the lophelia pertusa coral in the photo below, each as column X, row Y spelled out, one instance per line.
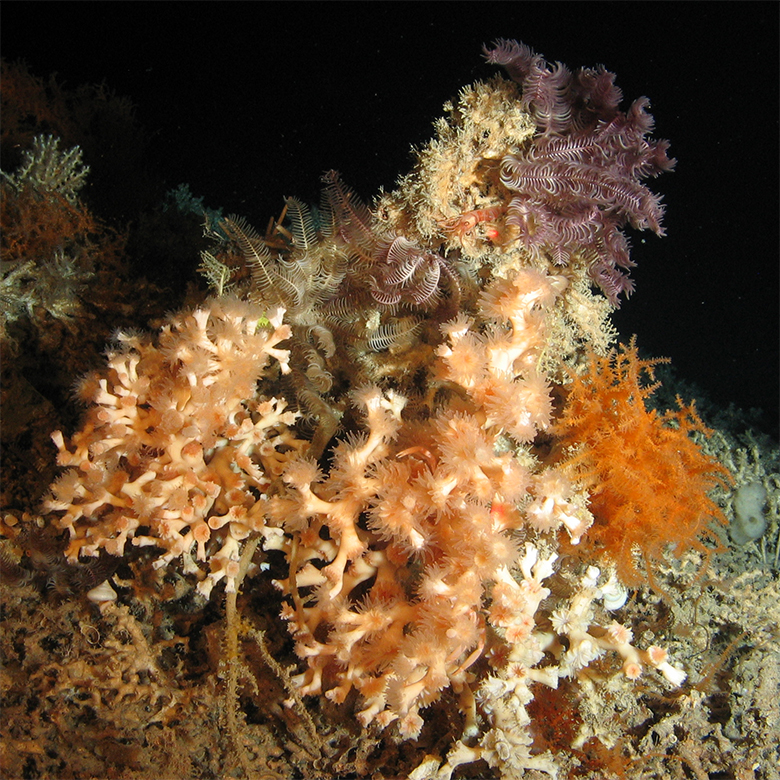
column 176, row 441
column 439, row 332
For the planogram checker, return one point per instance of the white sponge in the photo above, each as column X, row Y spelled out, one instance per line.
column 749, row 521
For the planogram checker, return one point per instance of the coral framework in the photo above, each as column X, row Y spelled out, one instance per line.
column 398, row 413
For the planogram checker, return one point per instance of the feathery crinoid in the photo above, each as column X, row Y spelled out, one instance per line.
column 404, row 272
column 398, row 270
column 342, row 279
column 303, row 224
column 579, row 181
column 313, row 261
column 273, row 282
column 351, row 217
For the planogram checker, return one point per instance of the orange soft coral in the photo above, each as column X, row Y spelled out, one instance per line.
column 648, row 480
column 36, row 225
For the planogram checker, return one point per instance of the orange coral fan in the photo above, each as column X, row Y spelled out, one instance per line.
column 36, row 224
column 648, row 479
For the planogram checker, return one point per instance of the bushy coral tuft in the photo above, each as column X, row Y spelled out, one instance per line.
column 649, row 482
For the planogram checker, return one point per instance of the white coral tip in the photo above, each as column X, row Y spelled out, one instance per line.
column 674, row 675
column 277, row 316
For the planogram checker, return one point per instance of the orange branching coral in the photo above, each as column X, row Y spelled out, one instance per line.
column 30, row 105
column 415, row 538
column 176, row 445
column 648, row 480
column 401, row 557
column 35, row 226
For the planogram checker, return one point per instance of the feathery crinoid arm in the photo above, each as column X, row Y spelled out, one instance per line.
column 352, row 218
column 580, row 181
column 303, row 226
column 251, row 245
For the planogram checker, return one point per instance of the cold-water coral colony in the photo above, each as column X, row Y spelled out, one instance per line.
column 416, row 403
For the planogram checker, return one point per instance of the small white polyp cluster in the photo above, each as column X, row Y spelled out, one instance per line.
column 504, row 696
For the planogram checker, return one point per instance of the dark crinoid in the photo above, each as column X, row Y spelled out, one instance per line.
column 579, row 181
column 398, row 271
